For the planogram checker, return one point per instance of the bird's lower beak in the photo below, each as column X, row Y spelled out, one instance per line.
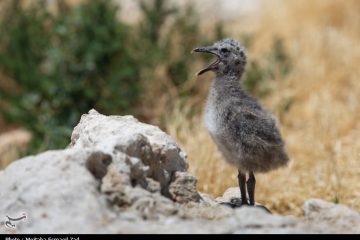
column 213, row 65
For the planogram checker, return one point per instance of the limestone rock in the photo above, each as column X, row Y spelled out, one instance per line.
column 230, row 193
column 183, row 188
column 340, row 217
column 122, row 176
column 126, row 135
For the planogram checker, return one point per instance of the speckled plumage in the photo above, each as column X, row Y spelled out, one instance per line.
column 246, row 134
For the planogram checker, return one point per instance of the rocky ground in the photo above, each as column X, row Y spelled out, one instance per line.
column 119, row 175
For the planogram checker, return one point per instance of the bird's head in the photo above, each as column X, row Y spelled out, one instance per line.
column 231, row 57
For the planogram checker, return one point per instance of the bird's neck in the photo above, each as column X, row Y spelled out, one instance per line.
column 227, row 83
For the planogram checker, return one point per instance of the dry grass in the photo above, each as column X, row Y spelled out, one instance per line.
column 11, row 144
column 322, row 127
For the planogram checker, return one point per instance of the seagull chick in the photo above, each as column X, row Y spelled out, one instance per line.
column 245, row 133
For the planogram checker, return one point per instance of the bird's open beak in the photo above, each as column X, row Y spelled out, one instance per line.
column 213, row 65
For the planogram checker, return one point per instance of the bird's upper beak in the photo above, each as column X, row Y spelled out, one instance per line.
column 203, row 49
column 209, row 50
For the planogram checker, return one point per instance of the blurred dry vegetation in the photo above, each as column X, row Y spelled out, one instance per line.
column 304, row 61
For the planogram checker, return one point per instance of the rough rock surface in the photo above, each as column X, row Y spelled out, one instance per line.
column 122, row 176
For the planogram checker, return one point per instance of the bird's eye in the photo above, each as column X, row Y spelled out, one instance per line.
column 224, row 50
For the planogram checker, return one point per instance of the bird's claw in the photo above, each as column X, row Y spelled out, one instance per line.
column 237, row 203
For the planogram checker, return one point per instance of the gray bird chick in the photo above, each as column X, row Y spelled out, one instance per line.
column 244, row 132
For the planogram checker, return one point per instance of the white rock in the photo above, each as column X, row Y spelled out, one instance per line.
column 340, row 217
column 122, row 176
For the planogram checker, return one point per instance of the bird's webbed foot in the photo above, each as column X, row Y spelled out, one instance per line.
column 235, row 203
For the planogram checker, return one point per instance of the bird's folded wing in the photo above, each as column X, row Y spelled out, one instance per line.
column 254, row 127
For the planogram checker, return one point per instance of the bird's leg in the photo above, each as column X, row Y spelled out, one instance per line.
column 251, row 188
column 242, row 181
